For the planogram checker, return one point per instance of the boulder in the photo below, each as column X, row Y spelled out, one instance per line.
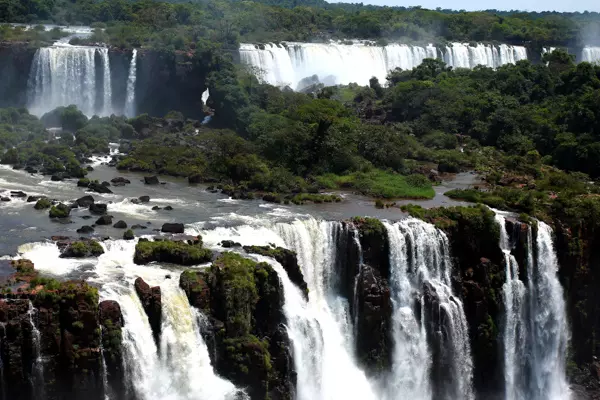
column 151, row 180
column 120, row 181
column 56, row 178
column 155, row 208
column 82, row 249
column 17, row 193
column 195, row 178
column 98, row 188
column 229, row 244
column 105, row 183
column 138, row 226
column 144, row 199
column 104, row 220
column 168, row 208
column 85, row 229
column 59, row 211
column 98, row 208
column 85, row 201
column 120, row 225
column 172, row 228
column 151, row 301
column 42, row 204
column 5, row 199
column 128, row 235
column 32, row 199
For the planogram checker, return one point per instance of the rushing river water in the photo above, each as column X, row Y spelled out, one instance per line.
column 20, row 223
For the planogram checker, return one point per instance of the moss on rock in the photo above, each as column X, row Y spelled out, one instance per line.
column 243, row 300
column 82, row 249
column 42, row 204
column 174, row 252
column 287, row 258
column 59, row 211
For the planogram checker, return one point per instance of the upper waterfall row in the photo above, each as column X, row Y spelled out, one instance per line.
column 336, row 63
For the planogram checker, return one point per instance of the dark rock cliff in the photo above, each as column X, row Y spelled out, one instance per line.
column 51, row 345
column 243, row 301
column 15, row 64
column 366, row 274
column 578, row 250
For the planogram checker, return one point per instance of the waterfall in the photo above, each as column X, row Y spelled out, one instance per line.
column 420, row 261
column 130, row 99
column 535, row 324
column 61, row 76
column 320, row 329
column 179, row 368
column 37, row 381
column 296, row 64
column 591, row 54
column 513, row 292
column 549, row 332
column 65, row 75
column 107, row 82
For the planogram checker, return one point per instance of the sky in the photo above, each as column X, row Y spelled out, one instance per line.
column 470, row 5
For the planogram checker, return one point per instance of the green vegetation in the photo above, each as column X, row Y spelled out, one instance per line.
column 174, row 252
column 128, row 235
column 177, row 25
column 83, row 248
column 42, row 204
column 380, row 184
column 59, row 211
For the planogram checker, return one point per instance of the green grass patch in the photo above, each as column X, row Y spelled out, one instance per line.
column 377, row 183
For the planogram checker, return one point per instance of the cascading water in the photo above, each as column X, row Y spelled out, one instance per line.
column 513, row 293
column 61, row 76
column 591, row 54
column 320, row 329
column 37, row 382
column 107, row 82
column 535, row 331
column 179, row 368
column 131, row 79
column 420, row 258
column 549, row 331
column 291, row 63
column 65, row 75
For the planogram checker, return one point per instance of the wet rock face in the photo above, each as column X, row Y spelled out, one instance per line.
column 111, row 322
column 151, row 301
column 285, row 257
column 243, row 302
column 66, row 321
column 369, row 292
column 578, row 250
column 374, row 309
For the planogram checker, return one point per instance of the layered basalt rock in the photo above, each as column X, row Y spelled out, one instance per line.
column 367, row 256
column 243, row 302
column 151, row 299
column 51, row 343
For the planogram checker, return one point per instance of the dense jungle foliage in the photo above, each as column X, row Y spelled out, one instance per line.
column 179, row 25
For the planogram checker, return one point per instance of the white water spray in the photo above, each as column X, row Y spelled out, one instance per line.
column 131, row 79
column 38, row 365
column 549, row 331
column 107, row 82
column 513, row 293
column 419, row 255
column 290, row 64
